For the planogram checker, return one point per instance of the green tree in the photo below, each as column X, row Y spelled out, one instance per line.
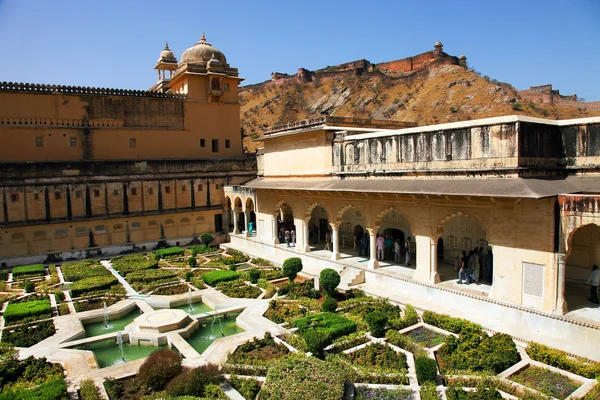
column 329, row 280
column 291, row 267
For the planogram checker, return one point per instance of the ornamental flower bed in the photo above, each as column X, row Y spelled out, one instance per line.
column 235, row 257
column 348, row 342
column 150, row 275
column 28, row 310
column 365, row 393
column 258, row 352
column 85, row 269
column 378, row 363
column 261, row 262
column 548, row 382
column 559, row 359
column 95, row 285
column 28, row 335
column 426, row 337
column 132, row 263
column 171, row 289
column 238, row 289
column 27, row 271
column 248, row 388
column 95, row 303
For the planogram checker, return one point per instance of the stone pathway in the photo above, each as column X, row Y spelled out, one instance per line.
column 128, row 289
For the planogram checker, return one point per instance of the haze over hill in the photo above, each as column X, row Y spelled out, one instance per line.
column 436, row 93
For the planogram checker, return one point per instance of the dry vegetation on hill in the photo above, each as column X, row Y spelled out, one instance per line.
column 446, row 93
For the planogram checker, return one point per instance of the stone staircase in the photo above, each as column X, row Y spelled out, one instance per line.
column 351, row 277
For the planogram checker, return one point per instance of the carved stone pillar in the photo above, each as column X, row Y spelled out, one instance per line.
column 561, row 304
column 373, row 263
column 335, row 255
column 236, row 230
column 304, row 245
column 247, row 223
column 275, row 231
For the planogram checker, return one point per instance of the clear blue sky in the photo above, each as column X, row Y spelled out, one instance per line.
column 115, row 44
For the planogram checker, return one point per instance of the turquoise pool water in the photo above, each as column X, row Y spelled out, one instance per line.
column 97, row 328
column 208, row 332
column 107, row 352
column 196, row 308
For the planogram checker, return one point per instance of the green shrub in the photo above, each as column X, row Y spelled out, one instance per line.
column 193, row 382
column 206, row 238
column 321, row 329
column 482, row 393
column 379, row 359
column 291, row 267
column 428, row 392
column 559, row 359
column 232, row 267
column 169, row 251
column 329, row 305
column 188, row 276
column 455, row 325
column 517, row 106
column 248, row 388
column 426, row 369
column 3, row 275
column 213, row 277
column 59, row 295
column 159, row 368
column 299, row 377
column 92, row 284
column 261, row 262
column 478, row 353
column 203, row 249
column 150, row 275
column 192, row 262
column 28, row 335
column 316, row 342
column 329, row 280
column 135, row 262
column 28, row 270
column 51, row 390
column 88, row 390
column 254, row 275
column 29, row 287
column 35, row 308
column 377, row 323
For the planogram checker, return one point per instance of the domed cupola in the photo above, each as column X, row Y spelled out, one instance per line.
column 214, row 64
column 167, row 55
column 202, row 52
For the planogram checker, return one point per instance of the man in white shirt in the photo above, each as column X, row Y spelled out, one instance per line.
column 594, row 281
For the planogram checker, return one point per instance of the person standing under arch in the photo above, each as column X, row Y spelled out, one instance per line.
column 594, row 281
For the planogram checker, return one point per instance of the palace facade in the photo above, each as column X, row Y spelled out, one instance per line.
column 84, row 169
column 526, row 189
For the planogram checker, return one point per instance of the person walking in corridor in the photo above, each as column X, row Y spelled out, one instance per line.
column 594, row 281
column 407, row 250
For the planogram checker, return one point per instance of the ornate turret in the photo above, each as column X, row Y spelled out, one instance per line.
column 166, row 65
column 438, row 48
column 462, row 60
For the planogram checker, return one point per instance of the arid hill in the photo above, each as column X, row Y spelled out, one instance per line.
column 438, row 94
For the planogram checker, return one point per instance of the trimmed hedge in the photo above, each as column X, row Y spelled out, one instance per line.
column 559, row 359
column 330, row 325
column 18, row 311
column 214, row 277
column 28, row 335
column 202, row 249
column 170, row 251
column 454, row 325
column 29, row 270
column 426, row 369
column 85, row 269
column 92, row 284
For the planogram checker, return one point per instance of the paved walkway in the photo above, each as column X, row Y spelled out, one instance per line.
column 128, row 289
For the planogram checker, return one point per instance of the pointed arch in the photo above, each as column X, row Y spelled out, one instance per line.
column 447, row 218
column 310, row 208
column 340, row 214
column 249, row 204
column 572, row 233
column 379, row 217
column 281, row 203
column 238, row 203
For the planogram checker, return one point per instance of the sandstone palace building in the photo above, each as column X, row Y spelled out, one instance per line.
column 93, row 168
column 527, row 189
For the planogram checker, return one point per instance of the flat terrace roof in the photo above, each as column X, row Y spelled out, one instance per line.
column 534, row 188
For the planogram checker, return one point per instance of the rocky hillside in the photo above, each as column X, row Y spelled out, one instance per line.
column 446, row 93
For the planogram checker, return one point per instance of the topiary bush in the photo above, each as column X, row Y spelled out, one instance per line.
column 254, row 275
column 188, row 276
column 159, row 368
column 170, row 251
column 329, row 280
column 206, row 238
column 291, row 267
column 377, row 323
column 59, row 295
column 329, row 305
column 426, row 369
column 88, row 390
column 29, row 287
column 192, row 262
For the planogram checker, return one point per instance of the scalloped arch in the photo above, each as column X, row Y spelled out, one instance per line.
column 340, row 214
column 569, row 244
column 310, row 209
column 443, row 221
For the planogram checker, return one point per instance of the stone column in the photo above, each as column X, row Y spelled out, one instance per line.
column 561, row 304
column 236, row 230
column 303, row 246
column 275, row 231
column 247, row 223
column 335, row 255
column 373, row 263
column 226, row 217
column 426, row 260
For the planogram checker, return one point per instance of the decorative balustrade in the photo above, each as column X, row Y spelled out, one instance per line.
column 54, row 89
